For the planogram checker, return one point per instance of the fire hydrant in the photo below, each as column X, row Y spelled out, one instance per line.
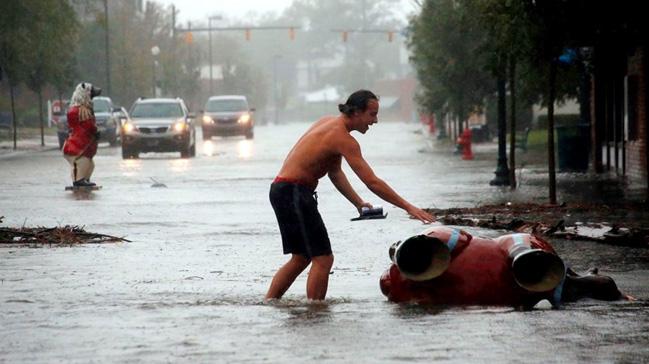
column 464, row 141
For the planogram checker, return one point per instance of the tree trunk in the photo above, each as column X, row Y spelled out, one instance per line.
column 461, row 116
column 502, row 172
column 14, row 123
column 40, row 115
column 512, row 123
column 645, row 66
column 551, row 96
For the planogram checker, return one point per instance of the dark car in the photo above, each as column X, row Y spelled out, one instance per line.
column 159, row 125
column 108, row 123
column 5, row 120
column 62, row 129
column 107, row 117
column 228, row 115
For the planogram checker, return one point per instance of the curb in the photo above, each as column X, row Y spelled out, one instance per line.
column 7, row 152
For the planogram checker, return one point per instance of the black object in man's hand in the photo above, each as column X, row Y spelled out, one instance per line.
column 371, row 213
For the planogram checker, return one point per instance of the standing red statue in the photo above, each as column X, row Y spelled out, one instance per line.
column 81, row 145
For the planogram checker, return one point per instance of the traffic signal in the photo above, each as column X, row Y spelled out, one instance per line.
column 189, row 38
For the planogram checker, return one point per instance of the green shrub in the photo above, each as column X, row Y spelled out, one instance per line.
column 559, row 119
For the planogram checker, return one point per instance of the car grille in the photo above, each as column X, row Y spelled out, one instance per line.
column 158, row 130
column 226, row 120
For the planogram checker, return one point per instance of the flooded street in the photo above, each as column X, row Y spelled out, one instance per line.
column 190, row 285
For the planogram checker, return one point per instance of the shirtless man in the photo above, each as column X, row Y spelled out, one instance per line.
column 317, row 153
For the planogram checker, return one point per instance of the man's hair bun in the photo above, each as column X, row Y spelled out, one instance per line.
column 357, row 102
column 346, row 109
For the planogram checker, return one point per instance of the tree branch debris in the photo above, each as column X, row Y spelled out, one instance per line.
column 560, row 221
column 57, row 236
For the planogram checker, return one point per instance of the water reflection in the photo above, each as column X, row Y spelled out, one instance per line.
column 209, row 149
column 310, row 313
column 179, row 165
column 83, row 195
column 410, row 310
column 129, row 167
column 304, row 311
column 245, row 149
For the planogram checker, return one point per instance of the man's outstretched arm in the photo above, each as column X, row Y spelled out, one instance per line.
column 352, row 153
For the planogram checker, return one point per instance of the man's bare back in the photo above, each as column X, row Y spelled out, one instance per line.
column 316, row 152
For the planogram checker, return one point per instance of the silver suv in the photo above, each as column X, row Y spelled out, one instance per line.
column 159, row 125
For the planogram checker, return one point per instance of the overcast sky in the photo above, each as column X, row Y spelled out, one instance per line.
column 200, row 9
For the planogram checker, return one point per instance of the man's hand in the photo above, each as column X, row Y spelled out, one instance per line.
column 363, row 204
column 420, row 215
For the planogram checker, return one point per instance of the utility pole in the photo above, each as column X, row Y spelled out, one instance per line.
column 174, row 83
column 275, row 93
column 107, row 44
column 364, row 48
column 209, row 35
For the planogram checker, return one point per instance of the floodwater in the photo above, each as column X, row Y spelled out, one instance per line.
column 190, row 285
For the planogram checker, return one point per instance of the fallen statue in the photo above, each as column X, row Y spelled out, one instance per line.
column 448, row 266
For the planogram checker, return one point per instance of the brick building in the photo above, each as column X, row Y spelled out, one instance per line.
column 615, row 34
column 619, row 131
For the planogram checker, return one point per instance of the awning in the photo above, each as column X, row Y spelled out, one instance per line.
column 326, row 94
column 387, row 102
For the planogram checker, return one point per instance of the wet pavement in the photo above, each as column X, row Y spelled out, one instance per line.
column 190, row 285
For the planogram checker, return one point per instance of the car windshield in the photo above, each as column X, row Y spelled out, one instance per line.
column 226, row 105
column 100, row 105
column 157, row 110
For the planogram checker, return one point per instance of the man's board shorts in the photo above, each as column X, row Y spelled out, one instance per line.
column 296, row 208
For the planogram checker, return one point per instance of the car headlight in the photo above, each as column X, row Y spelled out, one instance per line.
column 128, row 128
column 207, row 120
column 244, row 119
column 180, row 126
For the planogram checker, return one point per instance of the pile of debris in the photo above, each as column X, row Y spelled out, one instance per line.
column 57, row 236
column 561, row 221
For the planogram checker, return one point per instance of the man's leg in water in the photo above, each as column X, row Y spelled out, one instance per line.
column 318, row 280
column 286, row 275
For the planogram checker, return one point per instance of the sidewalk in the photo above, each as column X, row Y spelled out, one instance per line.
column 27, row 145
column 532, row 177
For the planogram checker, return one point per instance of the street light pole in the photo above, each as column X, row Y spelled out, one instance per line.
column 107, row 44
column 275, row 97
column 155, row 50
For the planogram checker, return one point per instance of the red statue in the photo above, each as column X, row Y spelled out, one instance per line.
column 448, row 266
